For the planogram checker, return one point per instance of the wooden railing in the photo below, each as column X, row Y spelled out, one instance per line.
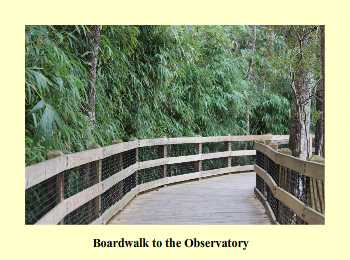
column 291, row 189
column 93, row 185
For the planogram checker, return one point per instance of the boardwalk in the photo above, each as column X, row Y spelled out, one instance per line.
column 227, row 199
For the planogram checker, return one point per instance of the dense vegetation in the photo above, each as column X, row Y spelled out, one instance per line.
column 154, row 81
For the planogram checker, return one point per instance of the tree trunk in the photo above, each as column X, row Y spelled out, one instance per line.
column 319, row 134
column 95, row 33
column 252, row 59
column 299, row 140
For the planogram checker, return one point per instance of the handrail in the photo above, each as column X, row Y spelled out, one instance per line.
column 95, row 191
column 292, row 189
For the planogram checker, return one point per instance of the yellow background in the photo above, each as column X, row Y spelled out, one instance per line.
column 266, row 242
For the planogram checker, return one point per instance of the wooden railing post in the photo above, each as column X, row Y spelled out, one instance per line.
column 199, row 163
column 229, row 149
column 165, row 155
column 98, row 208
column 60, row 177
column 136, row 158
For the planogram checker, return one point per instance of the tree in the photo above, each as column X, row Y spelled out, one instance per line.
column 319, row 133
column 94, row 38
column 300, row 39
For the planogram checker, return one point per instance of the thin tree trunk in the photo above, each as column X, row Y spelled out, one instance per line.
column 319, row 134
column 301, row 108
column 250, row 72
column 95, row 34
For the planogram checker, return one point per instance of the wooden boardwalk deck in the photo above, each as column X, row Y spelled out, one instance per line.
column 227, row 199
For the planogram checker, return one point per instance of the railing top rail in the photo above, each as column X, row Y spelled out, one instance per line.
column 39, row 172
column 307, row 168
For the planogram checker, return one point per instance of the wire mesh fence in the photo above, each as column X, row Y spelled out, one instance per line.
column 43, row 197
column 175, row 150
column 128, row 158
column 242, row 145
column 151, row 153
column 308, row 190
column 40, row 199
column 214, row 164
column 150, row 174
column 129, row 183
column 85, row 214
column 80, row 178
column 111, row 196
column 243, row 160
column 214, row 147
column 182, row 168
column 111, row 165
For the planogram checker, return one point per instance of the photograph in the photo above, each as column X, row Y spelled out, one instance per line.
column 174, row 124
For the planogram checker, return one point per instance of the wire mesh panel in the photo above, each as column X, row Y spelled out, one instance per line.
column 129, row 158
column 214, row 147
column 287, row 216
column 259, row 159
column 243, row 160
column 273, row 202
column 129, row 183
column 272, row 168
column 85, row 214
column 242, row 145
column 214, row 164
column 150, row 174
column 181, row 168
column 175, row 150
column 260, row 185
column 111, row 165
column 151, row 152
column 295, row 183
column 111, row 196
column 40, row 199
column 80, row 178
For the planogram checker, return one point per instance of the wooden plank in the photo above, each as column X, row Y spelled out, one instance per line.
column 82, row 197
column 110, row 212
column 115, row 178
column 314, row 170
column 119, row 148
column 183, row 177
column 183, row 159
column 265, row 149
column 152, row 184
column 267, row 178
column 227, row 199
column 226, row 170
column 290, row 201
column 153, row 142
column 39, row 172
column 55, row 215
column 152, row 163
column 313, row 217
column 77, row 159
column 266, row 205
column 307, row 168
column 302, row 210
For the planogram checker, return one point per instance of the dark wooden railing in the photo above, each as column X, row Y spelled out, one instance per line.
column 291, row 189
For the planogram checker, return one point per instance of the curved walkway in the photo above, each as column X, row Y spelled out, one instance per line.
column 227, row 199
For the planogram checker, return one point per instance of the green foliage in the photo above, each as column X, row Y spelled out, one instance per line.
column 152, row 81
